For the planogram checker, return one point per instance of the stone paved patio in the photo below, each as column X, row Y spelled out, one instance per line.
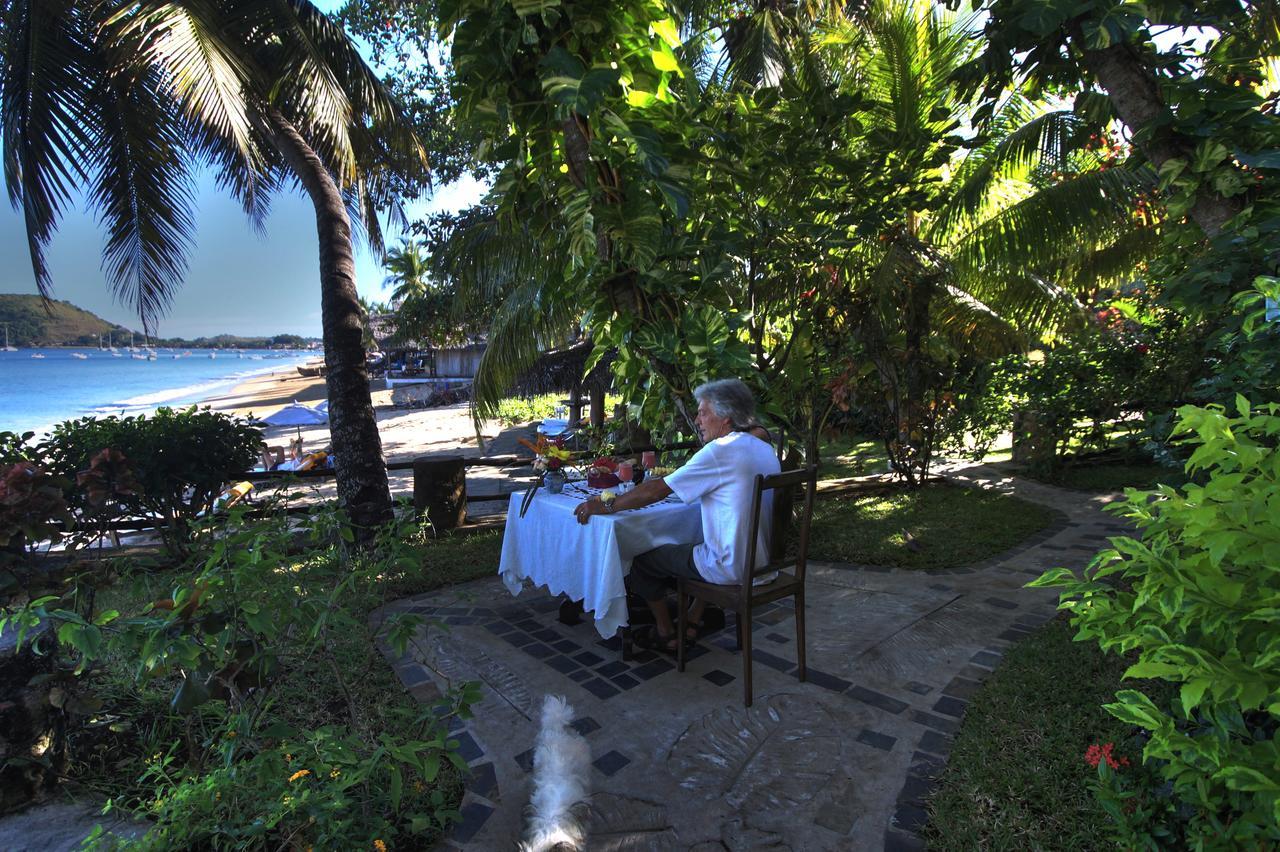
column 843, row 761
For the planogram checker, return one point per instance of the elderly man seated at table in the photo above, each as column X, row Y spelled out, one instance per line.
column 721, row 476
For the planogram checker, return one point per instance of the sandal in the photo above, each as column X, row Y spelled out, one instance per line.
column 648, row 638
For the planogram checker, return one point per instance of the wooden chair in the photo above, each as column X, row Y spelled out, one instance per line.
column 745, row 597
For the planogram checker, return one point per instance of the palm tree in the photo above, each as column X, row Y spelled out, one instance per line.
column 127, row 99
column 407, row 270
column 989, row 249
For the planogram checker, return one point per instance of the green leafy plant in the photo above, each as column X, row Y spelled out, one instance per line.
column 1196, row 599
column 178, row 462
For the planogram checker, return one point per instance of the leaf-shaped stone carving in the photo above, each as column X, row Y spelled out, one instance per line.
column 461, row 663
column 623, row 824
column 764, row 759
column 738, row 837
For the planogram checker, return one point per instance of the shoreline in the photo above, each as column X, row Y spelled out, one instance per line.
column 405, row 432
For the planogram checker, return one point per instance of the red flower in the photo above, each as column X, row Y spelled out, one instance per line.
column 808, row 294
column 1095, row 754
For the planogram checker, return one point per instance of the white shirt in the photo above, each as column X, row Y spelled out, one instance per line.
column 722, row 476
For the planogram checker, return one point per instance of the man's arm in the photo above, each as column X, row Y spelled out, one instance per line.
column 649, row 491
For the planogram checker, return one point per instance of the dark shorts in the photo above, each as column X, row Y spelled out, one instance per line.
column 652, row 572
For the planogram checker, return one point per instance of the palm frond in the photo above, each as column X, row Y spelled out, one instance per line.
column 1042, row 143
column 46, row 62
column 144, row 191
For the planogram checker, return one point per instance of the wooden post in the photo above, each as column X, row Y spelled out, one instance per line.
column 440, row 491
column 597, row 408
column 575, row 405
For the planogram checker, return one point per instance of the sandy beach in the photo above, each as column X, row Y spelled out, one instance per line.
column 406, row 433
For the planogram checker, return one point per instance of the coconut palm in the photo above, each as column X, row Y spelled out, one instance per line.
column 126, row 99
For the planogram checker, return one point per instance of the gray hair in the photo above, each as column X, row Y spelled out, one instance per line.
column 729, row 398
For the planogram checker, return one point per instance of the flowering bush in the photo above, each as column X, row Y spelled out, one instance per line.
column 1195, row 599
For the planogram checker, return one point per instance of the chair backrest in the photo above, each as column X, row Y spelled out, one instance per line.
column 783, row 485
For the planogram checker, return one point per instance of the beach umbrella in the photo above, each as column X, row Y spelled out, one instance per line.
column 298, row 415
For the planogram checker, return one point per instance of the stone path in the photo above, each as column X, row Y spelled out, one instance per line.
column 844, row 761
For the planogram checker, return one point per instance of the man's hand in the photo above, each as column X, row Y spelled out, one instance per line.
column 587, row 508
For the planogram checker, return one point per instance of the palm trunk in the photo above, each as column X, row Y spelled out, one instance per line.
column 1136, row 99
column 363, row 491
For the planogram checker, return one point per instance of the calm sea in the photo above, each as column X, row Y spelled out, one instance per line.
column 36, row 393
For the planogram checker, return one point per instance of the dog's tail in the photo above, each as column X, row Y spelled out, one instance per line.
column 561, row 767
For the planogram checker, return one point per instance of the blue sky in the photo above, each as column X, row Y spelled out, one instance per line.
column 239, row 282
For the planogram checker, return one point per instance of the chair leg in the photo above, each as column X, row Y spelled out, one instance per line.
column 746, row 658
column 680, row 625
column 800, row 666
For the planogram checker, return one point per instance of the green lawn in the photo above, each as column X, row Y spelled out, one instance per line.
column 938, row 526
column 852, row 455
column 1016, row 777
column 1115, row 476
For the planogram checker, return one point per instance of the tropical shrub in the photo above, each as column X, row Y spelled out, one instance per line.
column 236, row 708
column 1196, row 599
column 178, row 461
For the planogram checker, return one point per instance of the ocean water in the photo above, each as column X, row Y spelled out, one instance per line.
column 36, row 393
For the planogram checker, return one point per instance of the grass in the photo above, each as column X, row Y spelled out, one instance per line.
column 1016, row 777
column 937, row 526
column 852, row 455
column 1115, row 476
column 446, row 561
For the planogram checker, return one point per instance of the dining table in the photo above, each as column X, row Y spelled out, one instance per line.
column 545, row 544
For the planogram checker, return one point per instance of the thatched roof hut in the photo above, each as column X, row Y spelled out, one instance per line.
column 561, row 371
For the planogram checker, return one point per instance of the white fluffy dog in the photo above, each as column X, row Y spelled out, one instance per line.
column 561, row 768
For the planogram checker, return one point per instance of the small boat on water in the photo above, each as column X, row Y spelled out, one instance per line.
column 80, row 356
column 36, row 355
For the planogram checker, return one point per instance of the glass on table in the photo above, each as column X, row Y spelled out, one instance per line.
column 649, row 459
column 625, row 471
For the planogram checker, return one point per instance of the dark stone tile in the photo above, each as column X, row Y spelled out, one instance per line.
column 483, row 611
column 935, row 743
column 500, row 627
column 938, row 723
column 538, row 650
column 949, row 706
column 517, row 639
column 986, row 658
column 525, row 760
column 1014, row 635
column 468, row 748
column 642, row 656
column 580, row 675
column 876, row 699
column 483, row 780
column 414, row 675
column 769, row 660
column 613, row 668
column 546, row 634
column 474, row 816
column 651, row 669
column 961, row 687
column 916, row 790
column 827, row 681
column 625, row 681
column 910, row 818
column 884, row 742
column 926, row 765
column 599, row 688
column 566, row 646
column 564, row 665
column 611, row 762
column 454, row 610
column 545, row 605
column 698, row 650
column 896, row 841
column 1001, row 603
column 463, row 619
column 718, row 677
column 918, row 688
column 585, row 725
column 777, row 638
column 587, row 658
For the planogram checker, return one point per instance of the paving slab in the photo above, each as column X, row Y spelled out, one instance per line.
column 843, row 761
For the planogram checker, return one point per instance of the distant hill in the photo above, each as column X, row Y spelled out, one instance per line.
column 31, row 325
column 62, row 325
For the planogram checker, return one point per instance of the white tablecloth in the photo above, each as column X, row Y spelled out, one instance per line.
column 588, row 561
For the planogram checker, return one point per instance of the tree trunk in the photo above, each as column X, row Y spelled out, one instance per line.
column 1135, row 96
column 361, row 471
